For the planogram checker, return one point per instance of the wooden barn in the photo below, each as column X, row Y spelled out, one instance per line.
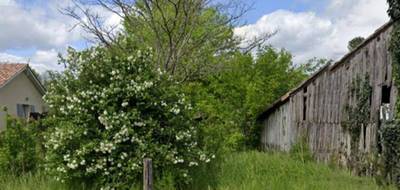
column 316, row 109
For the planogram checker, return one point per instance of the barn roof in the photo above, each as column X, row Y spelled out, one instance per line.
column 327, row 67
column 8, row 71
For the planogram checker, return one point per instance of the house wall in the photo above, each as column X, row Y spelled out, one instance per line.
column 326, row 96
column 20, row 90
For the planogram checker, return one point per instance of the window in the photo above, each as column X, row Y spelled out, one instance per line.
column 386, row 94
column 23, row 110
column 304, row 108
column 304, row 103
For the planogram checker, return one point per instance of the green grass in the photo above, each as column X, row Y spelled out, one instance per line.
column 240, row 171
column 30, row 182
column 274, row 171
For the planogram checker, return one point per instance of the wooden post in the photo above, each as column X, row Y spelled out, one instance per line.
column 147, row 174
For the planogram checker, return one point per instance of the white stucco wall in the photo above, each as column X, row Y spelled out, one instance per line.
column 21, row 90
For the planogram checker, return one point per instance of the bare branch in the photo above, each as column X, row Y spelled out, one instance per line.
column 178, row 30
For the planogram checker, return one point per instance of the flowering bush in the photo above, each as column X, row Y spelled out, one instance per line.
column 109, row 110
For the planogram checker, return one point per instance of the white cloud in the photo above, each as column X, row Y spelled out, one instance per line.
column 41, row 60
column 42, row 28
column 33, row 28
column 7, row 2
column 307, row 34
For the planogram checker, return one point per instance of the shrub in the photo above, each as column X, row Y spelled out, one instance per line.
column 19, row 147
column 109, row 110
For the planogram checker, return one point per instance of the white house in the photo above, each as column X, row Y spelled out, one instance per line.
column 21, row 92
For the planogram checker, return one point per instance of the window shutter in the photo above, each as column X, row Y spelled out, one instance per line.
column 20, row 110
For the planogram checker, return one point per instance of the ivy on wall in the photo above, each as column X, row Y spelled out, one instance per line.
column 391, row 131
column 359, row 113
column 358, row 117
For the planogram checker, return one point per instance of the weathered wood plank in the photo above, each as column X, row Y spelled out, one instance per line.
column 327, row 96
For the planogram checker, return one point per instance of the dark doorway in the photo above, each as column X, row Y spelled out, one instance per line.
column 304, row 108
column 386, row 94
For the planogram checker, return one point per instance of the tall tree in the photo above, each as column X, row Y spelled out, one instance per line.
column 355, row 42
column 394, row 9
column 230, row 100
column 189, row 37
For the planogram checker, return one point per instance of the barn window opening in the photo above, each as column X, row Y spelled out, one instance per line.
column 365, row 136
column 386, row 75
column 304, row 108
column 386, row 94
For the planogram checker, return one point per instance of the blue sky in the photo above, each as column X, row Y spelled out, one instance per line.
column 262, row 7
column 37, row 32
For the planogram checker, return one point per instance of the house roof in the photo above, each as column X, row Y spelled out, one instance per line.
column 327, row 67
column 8, row 71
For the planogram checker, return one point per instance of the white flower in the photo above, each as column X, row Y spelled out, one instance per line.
column 72, row 165
column 139, row 124
column 124, row 104
column 175, row 110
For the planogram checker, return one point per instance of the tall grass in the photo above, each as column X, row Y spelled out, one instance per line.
column 239, row 171
column 274, row 171
column 30, row 182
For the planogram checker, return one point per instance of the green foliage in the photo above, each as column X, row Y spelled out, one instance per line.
column 391, row 154
column 313, row 65
column 20, row 148
column 301, row 151
column 260, row 171
column 31, row 181
column 358, row 116
column 230, row 100
column 239, row 171
column 355, row 42
column 391, row 132
column 109, row 110
column 189, row 38
column 394, row 9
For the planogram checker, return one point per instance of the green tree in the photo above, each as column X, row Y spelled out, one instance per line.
column 394, row 9
column 230, row 100
column 355, row 42
column 190, row 38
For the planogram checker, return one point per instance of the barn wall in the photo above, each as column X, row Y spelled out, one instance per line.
column 325, row 97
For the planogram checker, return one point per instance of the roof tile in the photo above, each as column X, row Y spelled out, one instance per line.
column 9, row 70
